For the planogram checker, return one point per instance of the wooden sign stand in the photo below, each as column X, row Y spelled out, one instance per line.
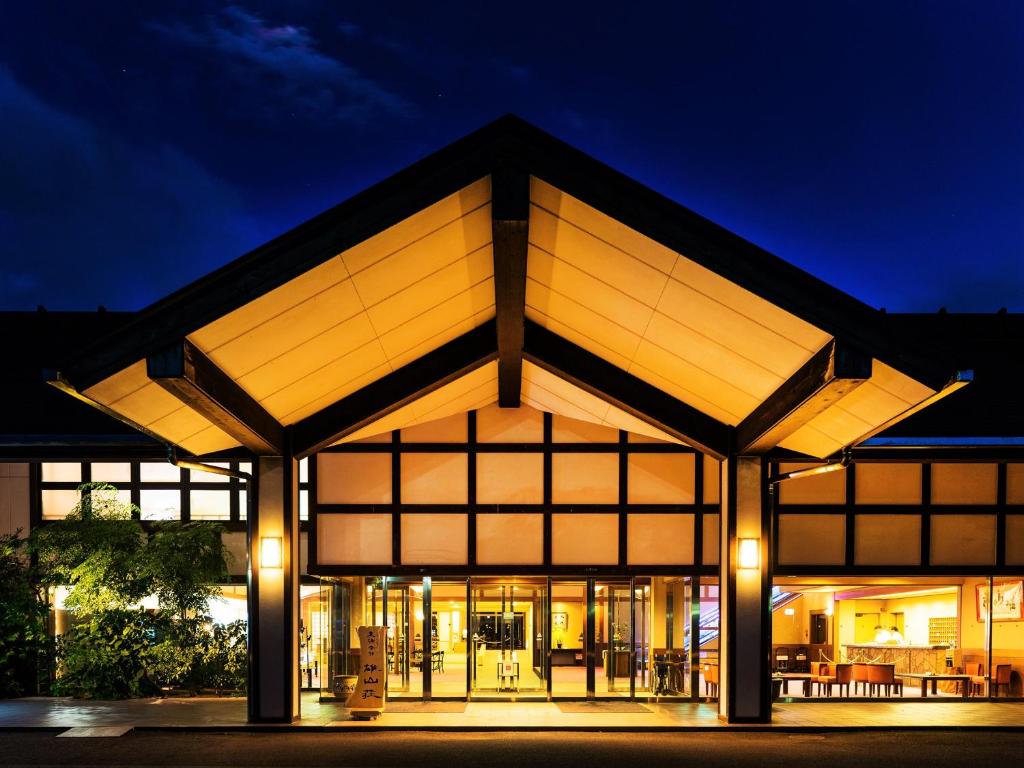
column 367, row 700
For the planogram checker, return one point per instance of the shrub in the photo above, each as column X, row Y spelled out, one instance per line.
column 22, row 621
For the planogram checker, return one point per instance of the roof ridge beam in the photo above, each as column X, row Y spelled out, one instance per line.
column 510, row 226
column 625, row 391
column 412, row 381
column 187, row 373
column 833, row 372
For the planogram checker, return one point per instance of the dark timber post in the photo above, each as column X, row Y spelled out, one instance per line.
column 273, row 579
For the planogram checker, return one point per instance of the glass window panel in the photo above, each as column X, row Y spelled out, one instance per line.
column 304, row 470
column 509, row 425
column 435, row 478
column 243, row 500
column 510, row 478
column 198, row 476
column 354, row 478
column 585, row 478
column 712, row 480
column 661, row 478
column 159, row 472
column 111, row 472
column 234, row 542
column 657, row 539
column 711, row 531
column 887, row 540
column 585, row 539
column 566, row 430
column 57, row 504
column 812, row 539
column 827, row 488
column 435, row 539
column 210, row 505
column 1015, row 483
column 354, row 539
column 160, row 505
column 963, row 539
column 509, row 539
column 246, row 467
column 888, row 483
column 62, row 472
column 964, row 483
column 303, row 505
column 1015, row 539
column 102, row 498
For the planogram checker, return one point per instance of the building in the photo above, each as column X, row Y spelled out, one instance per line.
column 564, row 436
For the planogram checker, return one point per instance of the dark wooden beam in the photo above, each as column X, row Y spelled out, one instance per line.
column 623, row 390
column 188, row 374
column 510, row 221
column 410, row 382
column 832, row 373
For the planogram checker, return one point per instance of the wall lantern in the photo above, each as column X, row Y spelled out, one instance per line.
column 270, row 552
column 749, row 553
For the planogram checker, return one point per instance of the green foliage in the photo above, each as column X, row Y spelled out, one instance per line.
column 107, row 656
column 22, row 620
column 97, row 552
column 114, row 649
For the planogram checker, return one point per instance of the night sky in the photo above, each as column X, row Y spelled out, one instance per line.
column 878, row 145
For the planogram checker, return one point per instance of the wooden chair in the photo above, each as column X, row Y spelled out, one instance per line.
column 976, row 685
column 884, row 675
column 1000, row 678
column 859, row 677
column 710, row 679
column 800, row 660
column 823, row 676
column 781, row 659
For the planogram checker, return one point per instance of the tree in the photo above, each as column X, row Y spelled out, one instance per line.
column 22, row 620
column 182, row 564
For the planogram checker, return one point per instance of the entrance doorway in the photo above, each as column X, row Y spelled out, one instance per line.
column 508, row 624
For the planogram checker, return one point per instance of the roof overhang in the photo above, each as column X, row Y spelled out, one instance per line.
column 513, row 253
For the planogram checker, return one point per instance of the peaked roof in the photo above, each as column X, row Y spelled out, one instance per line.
column 507, row 246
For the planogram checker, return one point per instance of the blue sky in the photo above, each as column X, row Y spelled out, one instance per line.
column 878, row 145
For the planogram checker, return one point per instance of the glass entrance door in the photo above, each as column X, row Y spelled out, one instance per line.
column 614, row 637
column 405, row 621
column 508, row 626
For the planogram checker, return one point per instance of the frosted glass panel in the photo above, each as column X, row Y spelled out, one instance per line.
column 509, row 425
column 304, row 470
column 197, row 476
column 353, row 478
column 160, row 505
column 509, row 539
column 450, row 430
column 712, row 531
column 159, row 472
column 661, row 478
column 1015, row 483
column 1015, row 539
column 658, row 539
column 429, row 539
column 812, row 539
column 510, row 478
column 209, row 505
column 585, row 478
column 963, row 539
column 826, row 488
column 712, row 480
column 584, row 539
column 354, row 539
column 566, row 430
column 57, row 504
column 888, row 483
column 964, row 483
column 111, row 472
column 887, row 540
column 62, row 472
column 435, row 478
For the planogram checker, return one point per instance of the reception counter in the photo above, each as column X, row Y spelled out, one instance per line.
column 907, row 658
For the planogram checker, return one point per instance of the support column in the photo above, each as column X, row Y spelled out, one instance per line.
column 745, row 625
column 273, row 514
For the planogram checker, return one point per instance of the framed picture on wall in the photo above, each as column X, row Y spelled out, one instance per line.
column 559, row 621
column 1006, row 601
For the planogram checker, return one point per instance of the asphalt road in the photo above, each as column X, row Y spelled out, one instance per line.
column 874, row 749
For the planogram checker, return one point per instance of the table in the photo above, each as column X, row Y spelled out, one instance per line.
column 963, row 680
column 785, row 677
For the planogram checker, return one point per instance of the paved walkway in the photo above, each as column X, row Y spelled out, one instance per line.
column 213, row 713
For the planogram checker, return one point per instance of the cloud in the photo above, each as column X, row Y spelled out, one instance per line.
column 285, row 67
column 87, row 219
